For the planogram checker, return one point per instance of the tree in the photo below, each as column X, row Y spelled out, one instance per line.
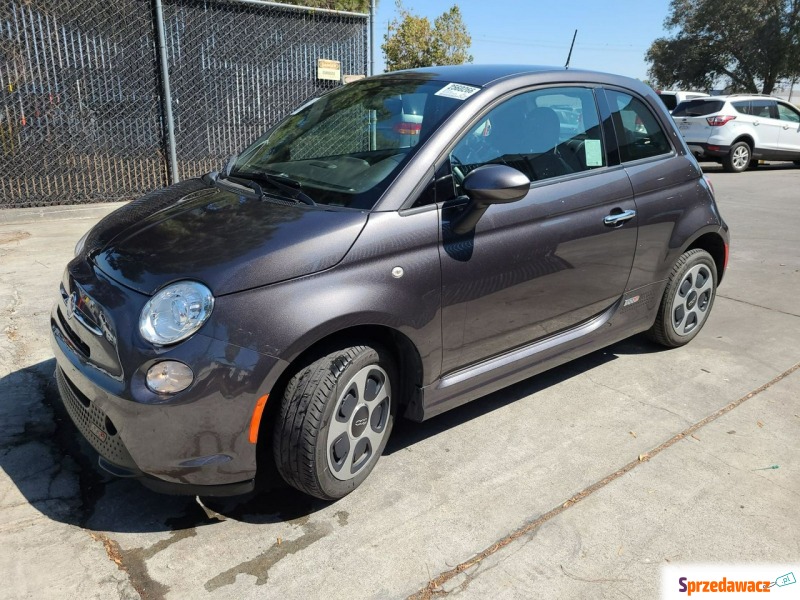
column 752, row 43
column 412, row 41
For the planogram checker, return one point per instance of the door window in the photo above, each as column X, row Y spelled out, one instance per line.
column 638, row 132
column 766, row 109
column 544, row 133
column 787, row 113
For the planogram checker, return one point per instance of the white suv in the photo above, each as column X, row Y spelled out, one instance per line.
column 738, row 130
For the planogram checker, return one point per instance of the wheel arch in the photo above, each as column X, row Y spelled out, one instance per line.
column 409, row 366
column 714, row 244
column 748, row 139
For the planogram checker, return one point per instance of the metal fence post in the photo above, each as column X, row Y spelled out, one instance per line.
column 372, row 38
column 169, row 123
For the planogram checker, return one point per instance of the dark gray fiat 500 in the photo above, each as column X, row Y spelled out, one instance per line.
column 399, row 246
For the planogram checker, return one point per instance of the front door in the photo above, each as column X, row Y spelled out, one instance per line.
column 789, row 140
column 551, row 260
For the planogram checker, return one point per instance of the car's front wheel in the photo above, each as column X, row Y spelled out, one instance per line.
column 738, row 159
column 335, row 419
column 687, row 301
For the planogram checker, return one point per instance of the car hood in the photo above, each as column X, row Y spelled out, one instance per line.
column 227, row 240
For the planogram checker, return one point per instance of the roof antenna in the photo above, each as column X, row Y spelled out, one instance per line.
column 572, row 45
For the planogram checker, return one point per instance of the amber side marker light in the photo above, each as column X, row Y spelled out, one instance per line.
column 255, row 420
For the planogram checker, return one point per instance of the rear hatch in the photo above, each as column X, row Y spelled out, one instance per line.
column 692, row 118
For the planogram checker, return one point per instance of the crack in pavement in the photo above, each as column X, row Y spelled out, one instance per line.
column 136, row 573
column 434, row 586
column 754, row 305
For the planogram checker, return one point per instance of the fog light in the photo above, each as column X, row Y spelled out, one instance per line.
column 169, row 377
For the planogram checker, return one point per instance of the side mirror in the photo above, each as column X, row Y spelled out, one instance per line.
column 487, row 185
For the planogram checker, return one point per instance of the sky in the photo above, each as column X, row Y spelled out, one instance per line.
column 613, row 35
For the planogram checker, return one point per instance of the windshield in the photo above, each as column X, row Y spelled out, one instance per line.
column 344, row 148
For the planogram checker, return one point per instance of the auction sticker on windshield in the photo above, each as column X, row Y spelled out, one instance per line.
column 459, row 91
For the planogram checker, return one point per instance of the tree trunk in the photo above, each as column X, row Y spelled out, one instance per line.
column 769, row 85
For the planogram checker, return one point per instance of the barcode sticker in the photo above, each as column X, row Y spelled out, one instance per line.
column 594, row 153
column 459, row 91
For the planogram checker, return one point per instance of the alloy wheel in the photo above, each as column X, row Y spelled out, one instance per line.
column 740, row 157
column 692, row 300
column 358, row 423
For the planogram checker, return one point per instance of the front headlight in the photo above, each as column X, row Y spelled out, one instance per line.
column 175, row 312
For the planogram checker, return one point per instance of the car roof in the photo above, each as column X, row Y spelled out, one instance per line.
column 682, row 92
column 482, row 75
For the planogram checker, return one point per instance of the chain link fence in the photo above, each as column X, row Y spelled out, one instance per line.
column 81, row 105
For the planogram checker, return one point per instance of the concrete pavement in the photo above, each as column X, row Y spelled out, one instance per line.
column 487, row 481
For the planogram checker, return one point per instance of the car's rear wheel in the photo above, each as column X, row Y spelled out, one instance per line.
column 335, row 418
column 738, row 159
column 687, row 301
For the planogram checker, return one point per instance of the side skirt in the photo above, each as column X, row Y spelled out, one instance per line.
column 623, row 319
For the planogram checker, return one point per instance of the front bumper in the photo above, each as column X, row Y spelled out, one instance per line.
column 195, row 442
column 114, row 457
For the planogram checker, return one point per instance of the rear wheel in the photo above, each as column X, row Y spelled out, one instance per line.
column 738, row 159
column 335, row 419
column 687, row 301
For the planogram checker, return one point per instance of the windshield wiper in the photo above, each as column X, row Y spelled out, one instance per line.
column 286, row 184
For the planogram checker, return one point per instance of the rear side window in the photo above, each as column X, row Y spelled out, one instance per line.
column 766, row 109
column 639, row 133
column 698, row 108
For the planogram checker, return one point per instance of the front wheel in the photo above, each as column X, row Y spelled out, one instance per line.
column 335, row 419
column 687, row 301
column 738, row 159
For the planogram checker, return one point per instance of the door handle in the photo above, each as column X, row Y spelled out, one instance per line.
column 786, row 127
column 619, row 218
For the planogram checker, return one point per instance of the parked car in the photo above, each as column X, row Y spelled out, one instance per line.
column 672, row 98
column 738, row 130
column 287, row 310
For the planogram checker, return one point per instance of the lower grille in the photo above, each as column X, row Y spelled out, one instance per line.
column 93, row 423
column 73, row 337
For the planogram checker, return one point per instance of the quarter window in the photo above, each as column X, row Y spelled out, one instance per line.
column 544, row 133
column 638, row 132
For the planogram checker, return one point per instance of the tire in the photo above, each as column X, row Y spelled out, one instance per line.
column 687, row 301
column 796, row 163
column 738, row 159
column 335, row 418
column 754, row 164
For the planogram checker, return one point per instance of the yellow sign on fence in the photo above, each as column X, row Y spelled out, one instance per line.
column 329, row 69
